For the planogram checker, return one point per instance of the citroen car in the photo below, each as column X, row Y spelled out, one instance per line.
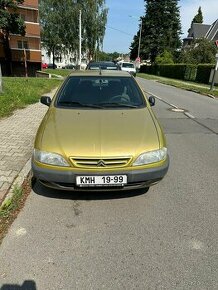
column 99, row 133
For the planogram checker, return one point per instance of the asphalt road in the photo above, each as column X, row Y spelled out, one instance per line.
column 163, row 239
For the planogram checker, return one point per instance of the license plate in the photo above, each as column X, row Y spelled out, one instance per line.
column 102, row 180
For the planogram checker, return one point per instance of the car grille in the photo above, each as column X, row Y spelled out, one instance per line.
column 100, row 162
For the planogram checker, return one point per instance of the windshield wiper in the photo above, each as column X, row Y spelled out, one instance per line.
column 117, row 104
column 80, row 104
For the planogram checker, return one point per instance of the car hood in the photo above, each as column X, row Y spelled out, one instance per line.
column 97, row 133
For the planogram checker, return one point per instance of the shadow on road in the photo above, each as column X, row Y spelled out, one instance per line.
column 27, row 285
column 39, row 189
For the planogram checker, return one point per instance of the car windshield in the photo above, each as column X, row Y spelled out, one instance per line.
column 128, row 65
column 100, row 92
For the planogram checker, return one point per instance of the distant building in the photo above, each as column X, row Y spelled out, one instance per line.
column 199, row 30
column 25, row 50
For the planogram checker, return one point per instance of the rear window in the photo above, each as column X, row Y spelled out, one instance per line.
column 94, row 66
column 128, row 65
column 100, row 92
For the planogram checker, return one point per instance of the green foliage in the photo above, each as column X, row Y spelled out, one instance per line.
column 164, row 58
column 200, row 51
column 60, row 25
column 10, row 22
column 197, row 73
column 190, row 72
column 203, row 73
column 198, row 17
column 20, row 92
column 161, row 29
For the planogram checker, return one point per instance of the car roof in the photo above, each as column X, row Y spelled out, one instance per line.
column 107, row 73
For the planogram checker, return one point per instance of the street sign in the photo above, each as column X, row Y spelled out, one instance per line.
column 138, row 59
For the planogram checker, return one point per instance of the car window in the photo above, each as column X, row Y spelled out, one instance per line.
column 100, row 92
column 102, row 65
column 128, row 65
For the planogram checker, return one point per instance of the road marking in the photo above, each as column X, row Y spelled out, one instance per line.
column 172, row 105
column 189, row 115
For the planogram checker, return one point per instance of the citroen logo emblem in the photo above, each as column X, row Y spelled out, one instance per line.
column 101, row 163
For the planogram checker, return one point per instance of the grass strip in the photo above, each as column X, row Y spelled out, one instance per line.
column 60, row 72
column 10, row 209
column 20, row 92
column 191, row 86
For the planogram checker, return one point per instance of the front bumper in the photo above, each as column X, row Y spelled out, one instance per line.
column 66, row 180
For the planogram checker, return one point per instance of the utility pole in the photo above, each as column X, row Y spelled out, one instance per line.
column 140, row 36
column 80, row 38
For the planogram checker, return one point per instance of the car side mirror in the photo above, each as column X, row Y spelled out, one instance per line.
column 45, row 100
column 151, row 100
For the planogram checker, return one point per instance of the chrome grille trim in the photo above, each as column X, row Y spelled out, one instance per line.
column 105, row 162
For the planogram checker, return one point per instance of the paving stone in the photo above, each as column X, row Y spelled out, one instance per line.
column 17, row 134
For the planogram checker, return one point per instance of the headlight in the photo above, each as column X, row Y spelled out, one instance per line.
column 151, row 157
column 49, row 158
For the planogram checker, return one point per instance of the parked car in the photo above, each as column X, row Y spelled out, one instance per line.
column 108, row 65
column 99, row 133
column 50, row 65
column 44, row 65
column 70, row 66
column 129, row 67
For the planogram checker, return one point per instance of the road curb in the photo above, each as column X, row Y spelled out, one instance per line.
column 18, row 182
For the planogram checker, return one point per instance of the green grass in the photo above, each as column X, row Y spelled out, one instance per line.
column 20, row 92
column 60, row 72
column 196, row 87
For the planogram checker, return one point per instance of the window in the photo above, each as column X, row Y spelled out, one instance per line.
column 21, row 44
column 104, row 92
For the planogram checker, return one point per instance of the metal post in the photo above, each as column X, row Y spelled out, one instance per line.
column 140, row 35
column 80, row 38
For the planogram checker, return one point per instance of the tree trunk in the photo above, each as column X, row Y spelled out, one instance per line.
column 8, row 56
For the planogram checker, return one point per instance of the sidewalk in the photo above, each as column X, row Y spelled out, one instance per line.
column 17, row 134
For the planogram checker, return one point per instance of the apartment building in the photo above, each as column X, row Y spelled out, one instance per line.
column 26, row 50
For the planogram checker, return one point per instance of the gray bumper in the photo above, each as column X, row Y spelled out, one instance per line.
column 67, row 179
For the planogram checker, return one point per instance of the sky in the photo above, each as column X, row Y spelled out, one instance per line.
column 124, row 15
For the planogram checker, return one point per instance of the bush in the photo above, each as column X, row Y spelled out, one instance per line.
column 189, row 72
column 176, row 71
column 203, row 73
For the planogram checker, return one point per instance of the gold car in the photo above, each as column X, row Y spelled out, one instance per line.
column 99, row 133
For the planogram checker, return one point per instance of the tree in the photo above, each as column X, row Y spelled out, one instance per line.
column 198, row 17
column 60, row 25
column 51, row 20
column 94, row 19
column 165, row 57
column 10, row 22
column 200, row 51
column 161, row 28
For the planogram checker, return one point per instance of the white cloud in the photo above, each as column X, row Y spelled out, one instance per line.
column 189, row 8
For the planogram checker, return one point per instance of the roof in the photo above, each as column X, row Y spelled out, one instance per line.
column 199, row 30
column 107, row 73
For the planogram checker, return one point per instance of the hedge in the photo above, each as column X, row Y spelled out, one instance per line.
column 199, row 73
column 203, row 73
